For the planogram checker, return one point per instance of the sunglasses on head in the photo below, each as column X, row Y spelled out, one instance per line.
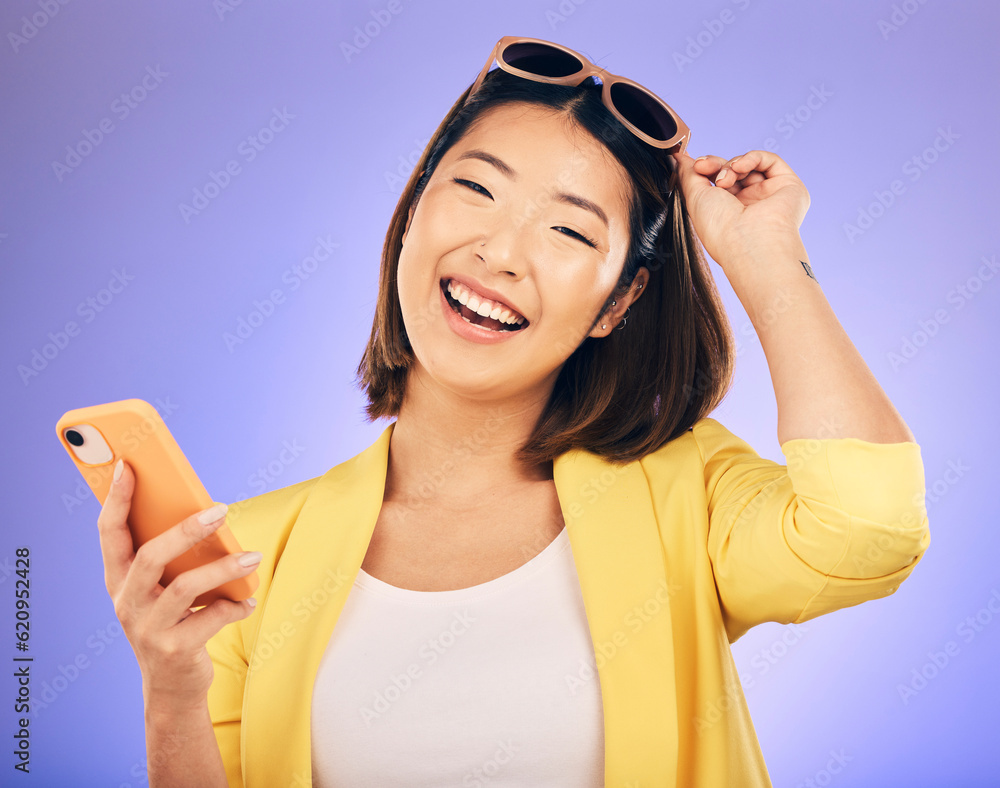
column 640, row 110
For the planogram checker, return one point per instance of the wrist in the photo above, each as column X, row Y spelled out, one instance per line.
column 163, row 707
column 764, row 251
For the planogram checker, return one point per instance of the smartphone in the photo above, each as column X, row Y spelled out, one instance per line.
column 167, row 490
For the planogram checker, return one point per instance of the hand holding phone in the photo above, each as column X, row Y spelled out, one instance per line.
column 166, row 491
column 167, row 636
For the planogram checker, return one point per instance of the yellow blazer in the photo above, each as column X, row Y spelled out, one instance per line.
column 678, row 555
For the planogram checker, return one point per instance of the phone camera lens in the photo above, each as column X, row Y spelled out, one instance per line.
column 74, row 437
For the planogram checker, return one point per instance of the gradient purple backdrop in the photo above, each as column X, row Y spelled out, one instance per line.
column 887, row 111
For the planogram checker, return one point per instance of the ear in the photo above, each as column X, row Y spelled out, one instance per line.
column 614, row 315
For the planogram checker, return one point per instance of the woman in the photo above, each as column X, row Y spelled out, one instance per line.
column 538, row 568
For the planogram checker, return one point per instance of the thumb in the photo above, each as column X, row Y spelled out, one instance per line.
column 692, row 183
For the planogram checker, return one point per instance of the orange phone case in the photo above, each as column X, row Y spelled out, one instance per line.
column 167, row 490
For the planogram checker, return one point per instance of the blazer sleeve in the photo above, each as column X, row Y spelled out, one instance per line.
column 261, row 523
column 225, row 697
column 842, row 522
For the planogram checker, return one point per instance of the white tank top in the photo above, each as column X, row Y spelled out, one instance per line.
column 493, row 685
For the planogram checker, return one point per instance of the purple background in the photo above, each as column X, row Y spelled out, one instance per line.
column 886, row 81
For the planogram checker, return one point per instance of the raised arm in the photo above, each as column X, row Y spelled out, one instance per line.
column 748, row 222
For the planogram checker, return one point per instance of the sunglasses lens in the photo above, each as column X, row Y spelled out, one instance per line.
column 540, row 59
column 643, row 111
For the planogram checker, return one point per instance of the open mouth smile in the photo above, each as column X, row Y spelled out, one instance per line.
column 481, row 311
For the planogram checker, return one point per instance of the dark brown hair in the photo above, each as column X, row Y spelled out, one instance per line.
column 621, row 396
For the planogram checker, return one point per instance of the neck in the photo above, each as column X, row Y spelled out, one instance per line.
column 454, row 452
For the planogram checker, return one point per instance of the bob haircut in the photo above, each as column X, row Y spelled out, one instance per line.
column 621, row 396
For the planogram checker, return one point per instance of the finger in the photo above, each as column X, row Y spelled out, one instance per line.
column 696, row 175
column 112, row 527
column 152, row 558
column 174, row 603
column 768, row 164
column 709, row 165
column 202, row 624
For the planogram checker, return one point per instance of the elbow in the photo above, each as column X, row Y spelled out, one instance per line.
column 879, row 549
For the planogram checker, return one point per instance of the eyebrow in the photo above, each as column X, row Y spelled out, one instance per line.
column 506, row 169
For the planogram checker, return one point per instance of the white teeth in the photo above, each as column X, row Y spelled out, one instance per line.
column 482, row 306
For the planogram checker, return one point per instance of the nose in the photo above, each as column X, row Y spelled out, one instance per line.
column 501, row 251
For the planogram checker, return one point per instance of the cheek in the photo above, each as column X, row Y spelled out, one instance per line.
column 412, row 287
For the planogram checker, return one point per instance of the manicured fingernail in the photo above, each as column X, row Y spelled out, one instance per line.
column 213, row 515
column 722, row 174
column 119, row 466
column 252, row 602
column 249, row 559
column 701, row 157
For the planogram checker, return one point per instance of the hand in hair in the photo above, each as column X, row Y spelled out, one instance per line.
column 741, row 204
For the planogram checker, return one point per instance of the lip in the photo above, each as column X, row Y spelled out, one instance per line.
column 493, row 295
column 471, row 331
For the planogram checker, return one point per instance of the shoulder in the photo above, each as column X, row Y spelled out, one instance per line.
column 706, row 439
column 265, row 522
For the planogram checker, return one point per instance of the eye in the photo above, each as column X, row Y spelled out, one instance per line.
column 473, row 186
column 574, row 234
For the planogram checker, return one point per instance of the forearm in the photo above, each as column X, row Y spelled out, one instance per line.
column 823, row 387
column 181, row 749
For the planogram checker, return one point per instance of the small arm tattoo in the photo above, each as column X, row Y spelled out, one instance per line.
column 809, row 271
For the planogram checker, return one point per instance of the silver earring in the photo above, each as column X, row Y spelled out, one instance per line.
column 625, row 319
column 604, row 325
column 614, row 303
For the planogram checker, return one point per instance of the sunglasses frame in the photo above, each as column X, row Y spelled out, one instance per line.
column 677, row 143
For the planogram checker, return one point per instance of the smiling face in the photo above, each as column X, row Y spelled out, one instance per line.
column 512, row 250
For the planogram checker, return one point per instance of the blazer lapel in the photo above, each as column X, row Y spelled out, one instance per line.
column 619, row 559
column 311, row 583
